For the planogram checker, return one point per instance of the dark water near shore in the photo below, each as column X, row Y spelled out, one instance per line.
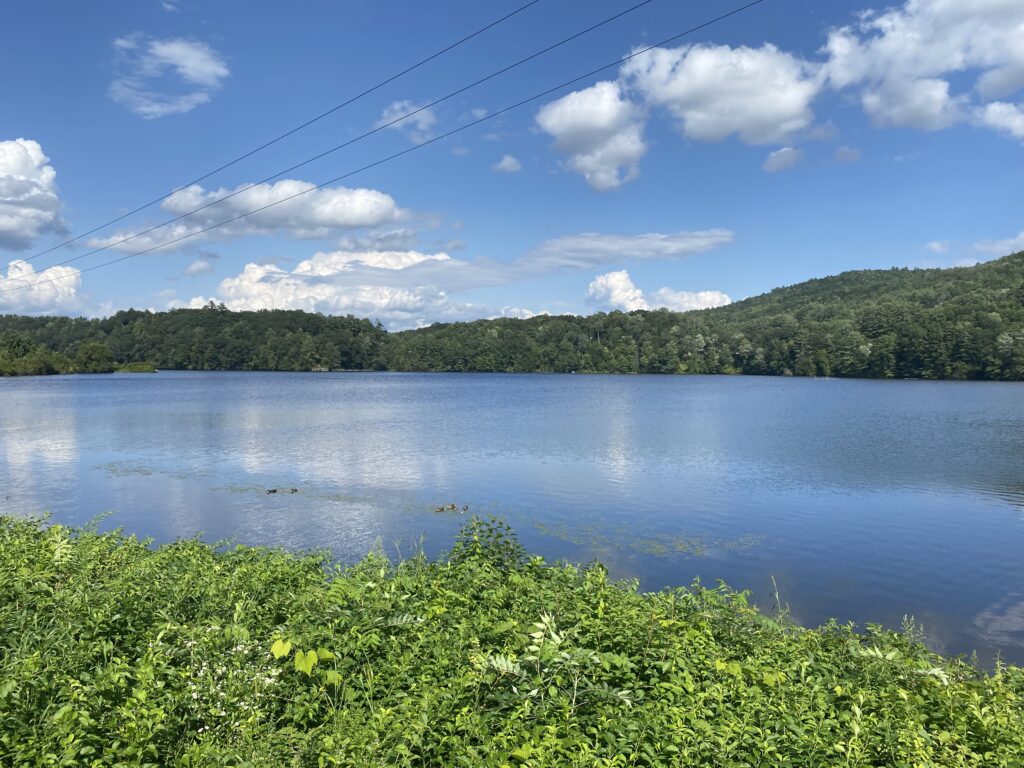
column 866, row 500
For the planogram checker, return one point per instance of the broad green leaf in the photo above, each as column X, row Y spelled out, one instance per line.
column 304, row 662
column 281, row 648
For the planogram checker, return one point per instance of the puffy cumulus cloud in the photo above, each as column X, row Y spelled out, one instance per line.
column 29, row 205
column 937, row 246
column 26, row 291
column 379, row 285
column 404, row 287
column 616, row 290
column 267, row 287
column 298, row 206
column 165, row 77
column 782, row 159
column 299, row 210
column 1001, row 247
column 901, row 59
column 1008, row 118
column 923, row 103
column 684, row 301
column 508, row 164
column 601, row 131
column 762, row 95
column 592, row 249
column 417, row 127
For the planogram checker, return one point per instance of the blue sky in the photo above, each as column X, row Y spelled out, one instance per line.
column 790, row 141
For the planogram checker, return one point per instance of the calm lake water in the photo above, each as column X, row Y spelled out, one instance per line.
column 866, row 500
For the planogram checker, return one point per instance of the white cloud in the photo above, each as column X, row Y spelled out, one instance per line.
column 902, row 58
column 616, row 290
column 600, row 130
column 1001, row 247
column 165, row 77
column 326, row 264
column 1003, row 117
column 590, row 249
column 782, row 159
column 352, row 282
column 29, row 205
column 51, row 290
column 315, row 214
column 762, row 95
column 684, row 301
column 924, row 103
column 937, row 246
column 405, row 287
column 508, row 164
column 200, row 266
column 418, row 127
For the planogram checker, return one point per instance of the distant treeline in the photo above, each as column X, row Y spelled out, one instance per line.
column 964, row 323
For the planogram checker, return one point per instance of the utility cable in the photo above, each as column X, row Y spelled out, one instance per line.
column 407, row 151
column 376, row 129
column 294, row 130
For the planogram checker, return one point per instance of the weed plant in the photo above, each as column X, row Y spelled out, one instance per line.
column 114, row 652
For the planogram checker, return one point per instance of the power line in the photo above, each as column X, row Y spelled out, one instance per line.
column 294, row 130
column 441, row 137
column 374, row 130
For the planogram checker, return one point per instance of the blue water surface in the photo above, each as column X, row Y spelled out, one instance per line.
column 864, row 500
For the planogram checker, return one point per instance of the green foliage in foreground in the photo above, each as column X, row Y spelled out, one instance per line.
column 113, row 653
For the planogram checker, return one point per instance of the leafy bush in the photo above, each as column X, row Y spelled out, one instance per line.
column 94, row 357
column 115, row 653
column 20, row 356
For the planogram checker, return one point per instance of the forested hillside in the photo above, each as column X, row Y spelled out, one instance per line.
column 950, row 323
column 213, row 338
column 964, row 323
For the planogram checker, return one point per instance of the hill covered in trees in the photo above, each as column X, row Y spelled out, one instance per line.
column 963, row 323
column 930, row 323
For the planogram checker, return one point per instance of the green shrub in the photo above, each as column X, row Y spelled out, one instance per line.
column 94, row 357
column 116, row 653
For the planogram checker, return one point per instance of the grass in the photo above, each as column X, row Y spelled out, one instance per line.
column 117, row 653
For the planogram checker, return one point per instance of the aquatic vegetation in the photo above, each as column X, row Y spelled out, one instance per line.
column 127, row 469
column 123, row 469
column 114, row 652
column 602, row 538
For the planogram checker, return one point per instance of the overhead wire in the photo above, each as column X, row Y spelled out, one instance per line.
column 433, row 140
column 376, row 129
column 294, row 130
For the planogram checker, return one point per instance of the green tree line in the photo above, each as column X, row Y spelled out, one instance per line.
column 963, row 323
